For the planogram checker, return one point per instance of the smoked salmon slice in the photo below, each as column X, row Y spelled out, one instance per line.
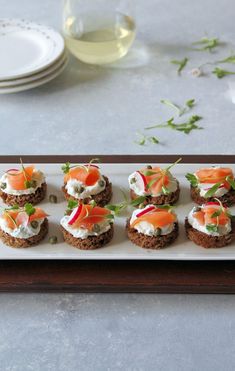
column 88, row 175
column 89, row 216
column 13, row 221
column 17, row 178
column 204, row 216
column 214, row 175
column 158, row 218
column 161, row 179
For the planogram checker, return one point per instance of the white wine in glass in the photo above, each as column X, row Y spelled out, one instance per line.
column 97, row 33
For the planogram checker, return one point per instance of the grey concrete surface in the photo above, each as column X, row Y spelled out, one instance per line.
column 101, row 109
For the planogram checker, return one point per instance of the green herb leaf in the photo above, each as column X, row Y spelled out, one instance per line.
column 230, row 59
column 153, row 140
column 66, row 167
column 72, row 204
column 217, row 213
column 231, row 181
column 181, row 63
column 208, row 44
column 190, row 103
column 220, row 73
column 165, row 190
column 165, row 207
column 212, row 190
column 144, row 139
column 192, row 179
column 212, row 228
column 29, row 209
column 137, row 201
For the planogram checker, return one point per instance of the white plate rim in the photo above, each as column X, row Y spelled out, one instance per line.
column 25, row 80
column 34, row 84
column 56, row 37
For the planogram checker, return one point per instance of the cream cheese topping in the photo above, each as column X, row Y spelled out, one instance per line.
column 23, row 231
column 171, row 186
column 222, row 229
column 78, row 190
column 82, row 232
column 147, row 228
column 37, row 176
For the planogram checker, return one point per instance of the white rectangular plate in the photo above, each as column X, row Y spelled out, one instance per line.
column 120, row 247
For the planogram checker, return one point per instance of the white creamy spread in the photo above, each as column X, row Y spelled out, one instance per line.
column 23, row 231
column 222, row 229
column 82, row 232
column 171, row 186
column 148, row 228
column 205, row 187
column 73, row 188
column 38, row 177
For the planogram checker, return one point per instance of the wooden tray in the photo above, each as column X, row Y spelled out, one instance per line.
column 118, row 276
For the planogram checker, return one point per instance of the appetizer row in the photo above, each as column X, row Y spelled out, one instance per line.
column 153, row 185
column 88, row 226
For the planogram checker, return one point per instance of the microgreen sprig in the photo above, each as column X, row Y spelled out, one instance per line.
column 118, row 208
column 144, row 139
column 207, row 44
column 29, row 209
column 189, row 104
column 212, row 190
column 180, row 63
column 220, row 73
column 67, row 166
column 192, row 179
column 185, row 127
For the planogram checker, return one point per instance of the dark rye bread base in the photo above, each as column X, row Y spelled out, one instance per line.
column 25, row 242
column 21, row 200
column 227, row 200
column 148, row 242
column 170, row 199
column 89, row 243
column 204, row 240
column 101, row 199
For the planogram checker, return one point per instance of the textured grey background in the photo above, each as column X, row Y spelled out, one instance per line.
column 105, row 107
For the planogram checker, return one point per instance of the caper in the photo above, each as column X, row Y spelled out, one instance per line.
column 3, row 185
column 149, row 167
column 34, row 224
column 196, row 208
column 141, row 206
column 101, row 183
column 133, row 180
column 53, row 199
column 34, row 184
column 82, row 189
column 158, row 232
column 96, row 228
column 53, row 240
column 77, row 189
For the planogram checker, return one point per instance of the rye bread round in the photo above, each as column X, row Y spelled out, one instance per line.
column 228, row 199
column 89, row 243
column 149, row 242
column 169, row 199
column 206, row 240
column 25, row 242
column 101, row 199
column 21, row 200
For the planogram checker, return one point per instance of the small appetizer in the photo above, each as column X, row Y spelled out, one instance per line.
column 157, row 185
column 212, row 182
column 153, row 227
column 21, row 186
column 23, row 226
column 87, row 227
column 210, row 225
column 85, row 183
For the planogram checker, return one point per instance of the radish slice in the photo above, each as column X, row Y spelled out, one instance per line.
column 12, row 171
column 212, row 203
column 150, row 208
column 22, row 219
column 75, row 214
column 141, row 181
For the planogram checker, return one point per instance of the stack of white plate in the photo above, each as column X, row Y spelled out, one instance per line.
column 30, row 55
